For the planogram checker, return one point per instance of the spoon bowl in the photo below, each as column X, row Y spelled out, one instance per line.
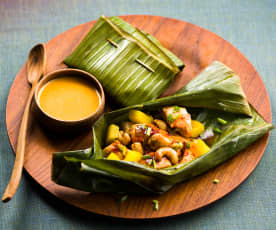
column 36, row 63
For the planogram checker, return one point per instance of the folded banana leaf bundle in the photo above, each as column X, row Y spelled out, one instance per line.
column 215, row 92
column 132, row 66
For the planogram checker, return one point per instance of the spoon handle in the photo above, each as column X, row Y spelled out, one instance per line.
column 20, row 150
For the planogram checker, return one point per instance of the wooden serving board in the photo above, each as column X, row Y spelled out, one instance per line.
column 197, row 47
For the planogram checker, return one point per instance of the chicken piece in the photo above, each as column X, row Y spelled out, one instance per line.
column 111, row 148
column 187, row 156
column 124, row 137
column 163, row 163
column 140, row 132
column 137, row 146
column 179, row 118
column 117, row 148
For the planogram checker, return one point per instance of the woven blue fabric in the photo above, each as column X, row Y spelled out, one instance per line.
column 248, row 24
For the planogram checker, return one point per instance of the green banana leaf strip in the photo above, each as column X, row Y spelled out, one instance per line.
column 240, row 131
column 131, row 71
column 150, row 41
column 172, row 56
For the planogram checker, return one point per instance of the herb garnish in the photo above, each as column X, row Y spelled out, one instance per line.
column 170, row 118
column 150, row 162
column 123, row 198
column 177, row 145
column 188, row 145
column 146, row 157
column 122, row 148
column 148, row 132
column 154, row 164
column 215, row 181
column 176, row 108
column 221, row 121
column 217, row 130
column 155, row 205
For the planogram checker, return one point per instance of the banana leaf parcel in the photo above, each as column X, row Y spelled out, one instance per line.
column 215, row 92
column 132, row 66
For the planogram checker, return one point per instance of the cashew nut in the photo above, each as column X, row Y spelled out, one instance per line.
column 126, row 126
column 166, row 151
column 159, row 140
column 124, row 138
column 161, row 124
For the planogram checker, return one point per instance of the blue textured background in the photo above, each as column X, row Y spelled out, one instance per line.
column 250, row 25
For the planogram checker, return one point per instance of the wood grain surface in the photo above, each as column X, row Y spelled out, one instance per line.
column 197, row 47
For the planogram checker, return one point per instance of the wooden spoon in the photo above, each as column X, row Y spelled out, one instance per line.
column 36, row 66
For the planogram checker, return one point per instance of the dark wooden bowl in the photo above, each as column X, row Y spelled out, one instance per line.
column 61, row 126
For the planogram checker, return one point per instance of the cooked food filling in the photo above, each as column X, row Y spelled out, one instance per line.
column 169, row 139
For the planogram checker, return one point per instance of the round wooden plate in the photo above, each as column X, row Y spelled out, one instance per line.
column 197, row 47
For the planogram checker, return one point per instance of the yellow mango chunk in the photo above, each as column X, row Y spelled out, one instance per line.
column 199, row 147
column 113, row 156
column 133, row 156
column 112, row 133
column 139, row 117
column 197, row 128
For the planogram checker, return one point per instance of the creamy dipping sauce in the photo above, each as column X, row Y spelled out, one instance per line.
column 69, row 98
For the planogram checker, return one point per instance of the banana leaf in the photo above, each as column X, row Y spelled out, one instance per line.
column 131, row 68
column 88, row 170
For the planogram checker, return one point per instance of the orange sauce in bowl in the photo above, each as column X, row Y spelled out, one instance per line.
column 69, row 98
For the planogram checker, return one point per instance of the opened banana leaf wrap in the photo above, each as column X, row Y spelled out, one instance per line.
column 215, row 92
column 132, row 66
